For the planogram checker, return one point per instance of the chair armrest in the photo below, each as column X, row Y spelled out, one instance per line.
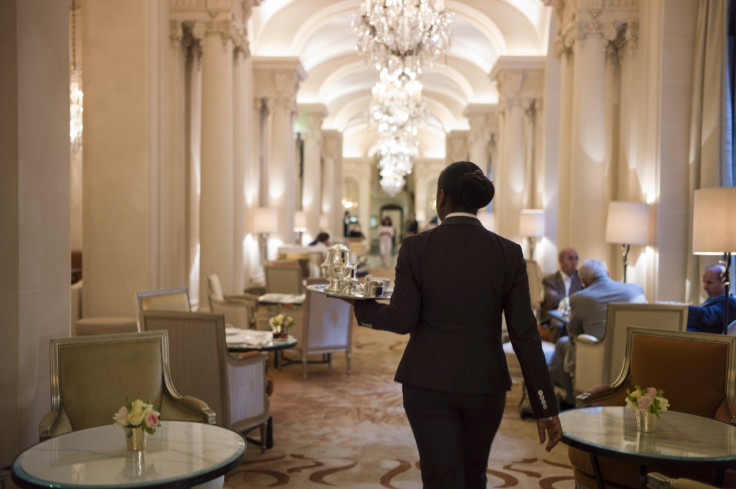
column 46, row 426
column 186, row 408
column 251, row 299
column 586, row 339
column 54, row 423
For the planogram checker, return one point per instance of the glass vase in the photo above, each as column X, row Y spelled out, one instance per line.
column 646, row 422
column 135, row 437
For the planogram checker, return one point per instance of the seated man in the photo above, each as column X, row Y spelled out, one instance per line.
column 588, row 308
column 708, row 316
column 557, row 286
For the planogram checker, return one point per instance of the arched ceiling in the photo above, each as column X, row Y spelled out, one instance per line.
column 319, row 33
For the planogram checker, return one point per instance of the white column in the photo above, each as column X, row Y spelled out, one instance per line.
column 277, row 79
column 519, row 80
column 216, row 235
column 173, row 243
column 312, row 173
column 243, row 141
column 480, row 120
column 457, row 146
column 332, row 181
column 35, row 211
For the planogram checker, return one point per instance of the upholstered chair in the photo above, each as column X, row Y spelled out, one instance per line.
column 656, row 480
column 92, row 375
column 239, row 309
column 284, row 278
column 600, row 361
column 234, row 387
column 323, row 327
column 696, row 371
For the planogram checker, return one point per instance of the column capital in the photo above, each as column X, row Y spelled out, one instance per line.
column 518, row 78
column 614, row 23
column 277, row 77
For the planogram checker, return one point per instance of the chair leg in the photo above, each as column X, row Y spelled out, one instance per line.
column 347, row 360
column 264, row 435
column 304, row 366
column 269, row 432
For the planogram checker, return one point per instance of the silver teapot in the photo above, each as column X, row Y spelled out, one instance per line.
column 336, row 268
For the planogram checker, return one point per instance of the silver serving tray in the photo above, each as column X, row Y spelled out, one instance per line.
column 358, row 297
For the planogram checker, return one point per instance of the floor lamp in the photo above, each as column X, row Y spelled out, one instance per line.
column 265, row 221
column 714, row 232
column 627, row 224
column 531, row 226
column 300, row 225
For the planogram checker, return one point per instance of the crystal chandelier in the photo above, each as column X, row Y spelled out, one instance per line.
column 402, row 36
column 397, row 106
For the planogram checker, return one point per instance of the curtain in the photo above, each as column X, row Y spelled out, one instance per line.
column 711, row 124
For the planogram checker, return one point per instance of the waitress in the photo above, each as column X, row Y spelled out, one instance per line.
column 453, row 284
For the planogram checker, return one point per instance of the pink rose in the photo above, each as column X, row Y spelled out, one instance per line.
column 651, row 391
column 151, row 419
column 644, row 402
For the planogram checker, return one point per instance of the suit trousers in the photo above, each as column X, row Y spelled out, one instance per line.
column 453, row 433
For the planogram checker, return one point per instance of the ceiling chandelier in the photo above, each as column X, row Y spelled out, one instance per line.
column 400, row 38
column 397, row 106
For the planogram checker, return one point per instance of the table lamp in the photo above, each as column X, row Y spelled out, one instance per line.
column 300, row 225
column 627, row 224
column 531, row 227
column 714, row 232
column 265, row 221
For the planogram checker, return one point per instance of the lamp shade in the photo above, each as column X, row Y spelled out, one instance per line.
column 531, row 223
column 628, row 223
column 300, row 220
column 713, row 230
column 265, row 220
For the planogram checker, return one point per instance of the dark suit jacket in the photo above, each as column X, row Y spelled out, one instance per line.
column 556, row 283
column 453, row 283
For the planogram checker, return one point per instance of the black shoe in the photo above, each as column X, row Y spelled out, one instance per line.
column 563, row 405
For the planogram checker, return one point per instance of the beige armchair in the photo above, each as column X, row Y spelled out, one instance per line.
column 284, row 278
column 696, row 371
column 201, row 365
column 239, row 309
column 92, row 375
column 323, row 326
column 600, row 362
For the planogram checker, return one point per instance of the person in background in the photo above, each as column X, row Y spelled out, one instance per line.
column 557, row 286
column 345, row 223
column 386, row 240
column 708, row 316
column 321, row 242
column 588, row 308
column 453, row 285
column 412, row 226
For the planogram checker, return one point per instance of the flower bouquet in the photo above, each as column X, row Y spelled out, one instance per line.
column 280, row 325
column 137, row 418
column 647, row 403
column 650, row 400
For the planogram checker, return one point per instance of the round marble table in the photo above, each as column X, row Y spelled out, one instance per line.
column 179, row 455
column 680, row 438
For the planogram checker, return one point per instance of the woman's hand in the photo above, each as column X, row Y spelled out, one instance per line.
column 553, row 428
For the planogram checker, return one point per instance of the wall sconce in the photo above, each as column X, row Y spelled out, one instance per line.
column 265, row 221
column 627, row 224
column 300, row 225
column 531, row 227
column 713, row 231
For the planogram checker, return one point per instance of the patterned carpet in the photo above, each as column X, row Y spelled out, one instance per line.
column 346, row 431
